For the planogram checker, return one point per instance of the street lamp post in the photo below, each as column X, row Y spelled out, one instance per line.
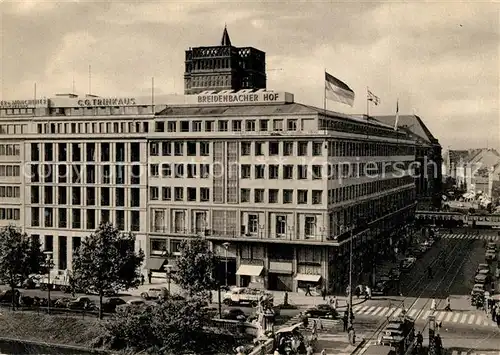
column 226, row 247
column 169, row 276
column 349, row 318
column 48, row 264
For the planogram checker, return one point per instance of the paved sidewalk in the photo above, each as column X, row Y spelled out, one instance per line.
column 298, row 299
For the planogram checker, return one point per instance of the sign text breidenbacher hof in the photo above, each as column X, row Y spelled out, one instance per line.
column 23, row 103
column 243, row 97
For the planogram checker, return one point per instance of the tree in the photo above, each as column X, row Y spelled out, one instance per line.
column 172, row 327
column 196, row 266
column 18, row 258
column 107, row 261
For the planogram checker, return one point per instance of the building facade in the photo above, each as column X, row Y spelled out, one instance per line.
column 277, row 187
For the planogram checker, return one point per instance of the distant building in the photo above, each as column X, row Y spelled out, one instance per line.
column 224, row 67
column 429, row 177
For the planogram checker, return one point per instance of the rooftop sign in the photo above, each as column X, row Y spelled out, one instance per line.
column 23, row 103
column 100, row 101
column 240, row 97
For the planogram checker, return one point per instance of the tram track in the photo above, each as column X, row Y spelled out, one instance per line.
column 421, row 287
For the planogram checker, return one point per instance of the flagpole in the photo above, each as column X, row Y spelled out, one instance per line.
column 324, row 94
column 367, row 105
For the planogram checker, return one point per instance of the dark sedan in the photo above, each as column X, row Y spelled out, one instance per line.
column 322, row 311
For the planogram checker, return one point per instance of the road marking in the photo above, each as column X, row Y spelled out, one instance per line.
column 376, row 311
column 356, row 308
column 370, row 309
column 385, row 311
column 441, row 316
column 426, row 315
column 465, row 353
column 455, row 318
column 395, row 314
column 448, row 317
column 412, row 313
column 471, row 319
column 454, row 352
column 464, row 317
column 363, row 309
column 391, row 310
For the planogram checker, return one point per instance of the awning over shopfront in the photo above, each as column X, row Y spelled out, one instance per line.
column 250, row 270
column 308, row 277
column 155, row 263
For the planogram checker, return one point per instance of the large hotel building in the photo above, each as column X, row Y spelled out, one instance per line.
column 279, row 188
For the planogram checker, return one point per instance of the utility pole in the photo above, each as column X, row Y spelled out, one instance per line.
column 349, row 319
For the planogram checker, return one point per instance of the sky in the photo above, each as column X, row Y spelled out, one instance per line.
column 439, row 59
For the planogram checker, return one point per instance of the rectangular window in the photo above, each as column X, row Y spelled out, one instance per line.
column 204, row 194
column 317, row 149
column 159, row 126
column 76, row 218
column 153, row 149
column 179, row 193
column 76, row 152
column 135, row 221
column 35, row 217
column 191, row 149
column 191, row 194
column 260, row 171
column 245, row 171
column 166, row 193
column 245, row 195
column 90, row 174
column 49, row 195
column 135, row 197
column 49, row 153
column 120, row 197
column 274, row 148
column 302, row 149
column 135, row 152
column 166, row 170
column 120, row 219
column 153, row 193
column 273, row 196
column 62, row 152
column 204, row 149
column 302, row 197
column 105, row 196
column 90, row 196
column 179, row 149
column 63, row 222
column 49, row 217
column 135, row 175
column 63, row 173
column 317, row 197
column 77, row 198
column 166, row 149
column 280, row 226
column 91, row 152
column 191, row 171
column 246, row 148
column 259, row 196
column 273, row 171
column 310, row 227
column 35, row 152
column 222, row 126
column 105, row 152
column 179, row 170
column 250, row 125
column 287, row 196
column 49, row 243
column 35, row 194
column 120, row 174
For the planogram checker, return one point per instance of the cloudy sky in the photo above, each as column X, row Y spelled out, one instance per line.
column 440, row 59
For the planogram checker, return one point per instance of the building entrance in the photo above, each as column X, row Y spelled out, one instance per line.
column 280, row 282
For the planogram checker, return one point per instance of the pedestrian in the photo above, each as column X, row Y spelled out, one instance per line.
column 358, row 291
column 150, row 276
column 323, row 292
column 308, row 291
column 309, row 350
column 433, row 305
column 344, row 320
column 448, row 304
column 142, row 279
column 314, row 326
column 498, row 320
column 323, row 352
column 368, row 292
column 351, row 335
column 285, row 299
column 494, row 314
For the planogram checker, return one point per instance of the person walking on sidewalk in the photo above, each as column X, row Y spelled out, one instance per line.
column 368, row 292
column 308, row 291
column 150, row 276
column 142, row 279
column 345, row 319
column 448, row 304
column 433, row 305
column 323, row 293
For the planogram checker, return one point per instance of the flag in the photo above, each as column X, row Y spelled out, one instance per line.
column 373, row 98
column 337, row 90
column 397, row 116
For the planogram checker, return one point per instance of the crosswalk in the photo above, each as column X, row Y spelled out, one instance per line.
column 457, row 317
column 489, row 238
column 472, row 352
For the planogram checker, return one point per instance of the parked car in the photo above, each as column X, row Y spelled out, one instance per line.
column 107, row 293
column 6, row 296
column 131, row 305
column 408, row 263
column 109, row 305
column 491, row 255
column 477, row 289
column 155, row 293
column 380, row 289
column 322, row 311
column 62, row 302
column 81, row 303
column 234, row 314
column 482, row 279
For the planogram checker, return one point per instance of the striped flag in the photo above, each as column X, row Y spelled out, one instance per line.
column 337, row 90
column 370, row 96
column 397, row 116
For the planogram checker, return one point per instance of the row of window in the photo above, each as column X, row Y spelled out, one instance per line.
column 10, row 214
column 10, row 150
column 284, row 148
column 16, row 111
column 90, row 174
column 191, row 194
column 46, row 217
column 77, row 152
column 10, row 191
column 286, row 196
column 103, row 196
column 10, row 170
column 13, row 128
column 346, row 193
column 94, row 127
